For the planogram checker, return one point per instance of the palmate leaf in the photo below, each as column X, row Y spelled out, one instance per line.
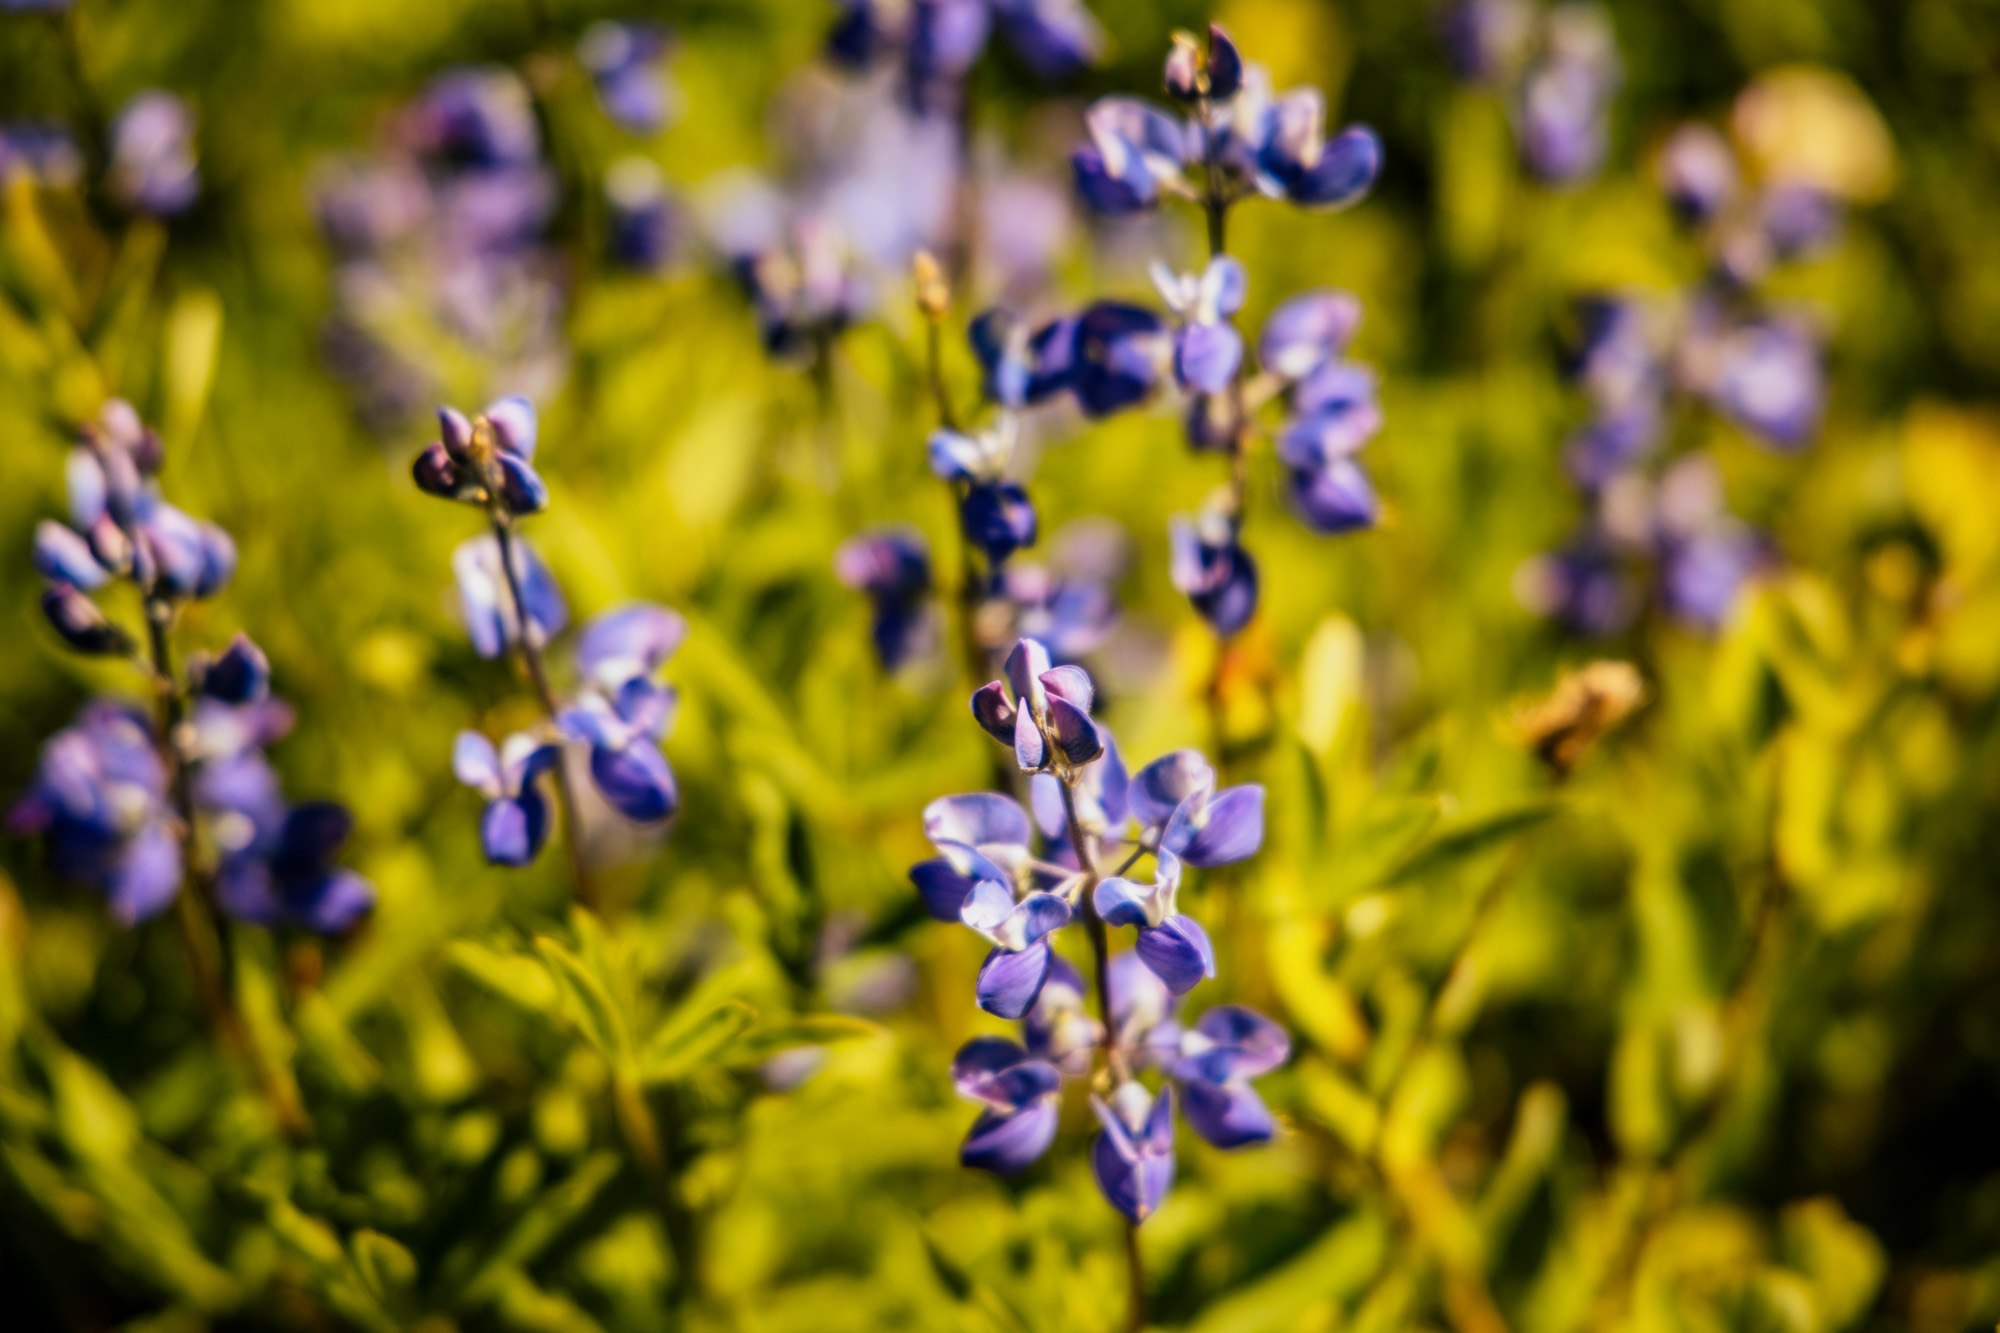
column 588, row 1001
column 512, row 976
column 691, row 1037
column 766, row 1040
column 1468, row 839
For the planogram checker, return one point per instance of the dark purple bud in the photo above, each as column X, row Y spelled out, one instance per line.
column 436, row 474
column 1333, row 499
column 998, row 518
column 635, row 781
column 218, row 561
column 1054, row 38
column 993, row 712
column 241, row 674
column 1225, row 65
column 521, row 487
column 454, row 435
column 1345, row 171
column 81, row 624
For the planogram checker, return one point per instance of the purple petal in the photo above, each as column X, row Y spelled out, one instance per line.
column 514, row 426
column 1009, row 982
column 1030, row 750
column 1074, row 732
column 511, row 832
column 1218, row 830
column 146, row 877
column 1158, row 789
column 1026, row 665
column 973, row 1068
column 1178, row 952
column 1260, row 1045
column 1227, row 1115
column 521, row 486
column 1344, row 172
column 1307, row 331
column 476, row 763
column 341, row 899
column 992, row 711
column 454, row 434
column 979, row 819
column 631, row 640
column 1207, row 356
column 635, row 781
column 1135, row 1187
column 1007, row 1143
column 61, row 552
column 1071, row 683
column 1121, row 902
column 1335, row 499
column 942, row 888
column 245, row 889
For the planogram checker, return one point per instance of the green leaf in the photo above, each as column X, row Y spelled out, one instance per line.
column 691, row 1037
column 512, row 976
column 762, row 1042
column 554, row 1210
column 1382, row 837
column 1466, row 840
column 588, row 1001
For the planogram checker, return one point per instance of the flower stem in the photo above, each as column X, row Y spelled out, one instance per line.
column 201, row 939
column 1100, row 949
column 531, row 657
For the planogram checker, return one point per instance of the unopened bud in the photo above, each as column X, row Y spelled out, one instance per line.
column 933, row 291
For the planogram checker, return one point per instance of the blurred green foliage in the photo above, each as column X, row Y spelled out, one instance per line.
column 1706, row 1037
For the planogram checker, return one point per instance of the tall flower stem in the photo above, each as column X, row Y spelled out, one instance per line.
column 971, row 582
column 531, row 658
column 1100, row 949
column 1215, row 208
column 201, row 937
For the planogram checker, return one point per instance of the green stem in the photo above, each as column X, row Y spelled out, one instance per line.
column 531, row 658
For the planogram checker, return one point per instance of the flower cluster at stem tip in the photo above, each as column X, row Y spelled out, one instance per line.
column 990, row 876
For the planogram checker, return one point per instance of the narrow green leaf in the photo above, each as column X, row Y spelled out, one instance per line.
column 1466, row 840
column 687, row 1040
column 512, row 976
column 588, row 1002
column 766, row 1040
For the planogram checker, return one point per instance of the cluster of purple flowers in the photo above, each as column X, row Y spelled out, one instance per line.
column 440, row 237
column 1557, row 66
column 120, row 802
column 619, row 711
column 1643, row 360
column 990, row 876
column 151, row 167
column 935, row 43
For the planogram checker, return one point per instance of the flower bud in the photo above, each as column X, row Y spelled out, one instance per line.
column 933, row 290
column 82, row 625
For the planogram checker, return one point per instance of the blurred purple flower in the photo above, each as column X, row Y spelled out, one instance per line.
column 152, row 168
column 626, row 63
column 894, row 569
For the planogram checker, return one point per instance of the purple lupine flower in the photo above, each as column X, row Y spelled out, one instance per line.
column 492, row 619
column 939, row 41
column 152, row 168
column 625, row 62
column 1059, row 1029
column 1289, row 156
column 1768, row 378
column 1018, row 367
column 1561, row 110
column 289, row 878
column 1706, row 553
column 644, row 224
column 476, row 117
column 239, row 674
column 43, row 151
column 100, row 804
column 1019, row 1094
column 1584, row 585
column 1171, row 943
column 1179, row 810
column 982, row 835
column 1218, row 1057
column 1043, row 711
column 995, row 514
column 1194, row 74
column 1072, row 613
column 1611, row 443
column 81, row 624
column 1098, row 790
column 1697, row 172
column 1208, row 351
column 624, row 711
column 1797, row 219
column 1308, row 331
column 1487, row 39
column 1211, row 567
column 1334, row 414
column 1110, row 357
column 515, row 824
column 800, row 277
column 492, row 452
column 1136, row 152
column 893, row 568
column 1011, row 978
column 1133, row 1159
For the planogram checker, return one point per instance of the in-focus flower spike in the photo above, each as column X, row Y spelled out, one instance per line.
column 1099, row 792
column 893, row 568
column 488, row 604
column 1019, row 1093
column 1210, row 566
column 289, row 878
column 626, row 61
column 981, row 836
column 516, row 822
column 1133, row 1159
column 1171, row 943
column 1043, row 711
column 152, row 168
